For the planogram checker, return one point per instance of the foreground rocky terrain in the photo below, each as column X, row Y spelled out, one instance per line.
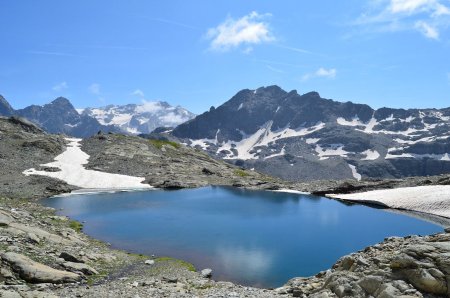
column 45, row 255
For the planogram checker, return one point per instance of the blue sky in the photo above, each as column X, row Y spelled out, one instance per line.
column 200, row 53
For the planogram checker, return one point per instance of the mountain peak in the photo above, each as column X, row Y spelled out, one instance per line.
column 61, row 101
column 5, row 107
column 312, row 94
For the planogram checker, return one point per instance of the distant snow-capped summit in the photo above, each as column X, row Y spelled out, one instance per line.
column 140, row 118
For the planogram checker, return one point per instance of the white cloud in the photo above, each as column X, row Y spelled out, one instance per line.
column 321, row 73
column 61, row 86
column 149, row 107
column 427, row 30
column 173, row 119
column 410, row 6
column 248, row 30
column 428, row 17
column 138, row 92
column 94, row 88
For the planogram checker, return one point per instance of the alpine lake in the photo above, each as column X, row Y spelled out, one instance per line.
column 257, row 238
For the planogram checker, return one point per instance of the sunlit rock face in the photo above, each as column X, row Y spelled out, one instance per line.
column 307, row 137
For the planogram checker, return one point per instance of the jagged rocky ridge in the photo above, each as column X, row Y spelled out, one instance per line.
column 60, row 116
column 306, row 137
column 142, row 118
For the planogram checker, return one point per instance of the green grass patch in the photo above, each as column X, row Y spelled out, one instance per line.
column 241, row 173
column 160, row 143
column 92, row 279
column 182, row 263
column 75, row 225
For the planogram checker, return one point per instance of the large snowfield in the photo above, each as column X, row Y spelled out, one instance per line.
column 428, row 199
column 71, row 164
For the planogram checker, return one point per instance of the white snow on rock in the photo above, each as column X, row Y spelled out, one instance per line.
column 262, row 137
column 71, row 164
column 281, row 153
column 371, row 154
column 428, row 199
column 332, row 150
column 312, row 140
column 355, row 173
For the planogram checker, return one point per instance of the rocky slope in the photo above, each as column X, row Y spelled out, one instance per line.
column 167, row 164
column 23, row 144
column 306, row 137
column 140, row 119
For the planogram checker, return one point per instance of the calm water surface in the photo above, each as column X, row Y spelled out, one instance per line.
column 257, row 238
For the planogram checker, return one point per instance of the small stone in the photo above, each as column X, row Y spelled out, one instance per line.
column 135, row 284
column 170, row 279
column 149, row 262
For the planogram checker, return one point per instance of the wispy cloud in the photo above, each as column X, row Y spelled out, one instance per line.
column 427, row 30
column 273, row 62
column 94, row 88
column 321, row 73
column 52, row 53
column 428, row 17
column 96, row 46
column 138, row 92
column 294, row 49
column 172, row 22
column 274, row 69
column 60, row 87
column 233, row 33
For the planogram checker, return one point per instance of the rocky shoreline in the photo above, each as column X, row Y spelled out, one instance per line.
column 45, row 255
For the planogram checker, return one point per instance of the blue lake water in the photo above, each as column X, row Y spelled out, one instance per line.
column 257, row 238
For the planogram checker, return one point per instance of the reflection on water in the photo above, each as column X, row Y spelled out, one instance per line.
column 256, row 238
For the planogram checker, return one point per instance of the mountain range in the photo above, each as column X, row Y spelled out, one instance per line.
column 60, row 116
column 297, row 137
column 307, row 137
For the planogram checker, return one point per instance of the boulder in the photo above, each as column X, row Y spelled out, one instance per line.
column 35, row 272
column 5, row 219
column 206, row 273
column 70, row 257
column 79, row 267
column 149, row 262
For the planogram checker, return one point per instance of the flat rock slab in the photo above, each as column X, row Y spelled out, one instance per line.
column 35, row 272
column 5, row 219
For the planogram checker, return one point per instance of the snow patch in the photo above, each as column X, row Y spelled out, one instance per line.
column 371, row 155
column 332, row 150
column 355, row 173
column 312, row 140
